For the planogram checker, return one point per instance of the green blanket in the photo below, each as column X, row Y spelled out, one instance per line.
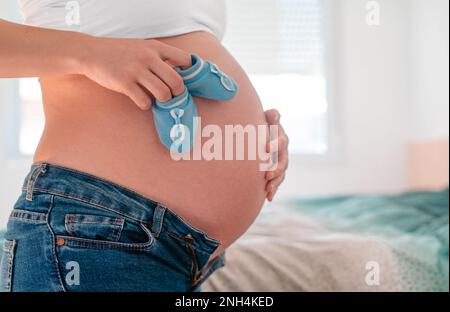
column 414, row 225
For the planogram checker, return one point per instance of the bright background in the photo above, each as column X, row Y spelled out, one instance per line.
column 352, row 96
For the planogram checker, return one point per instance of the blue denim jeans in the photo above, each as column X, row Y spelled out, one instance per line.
column 70, row 231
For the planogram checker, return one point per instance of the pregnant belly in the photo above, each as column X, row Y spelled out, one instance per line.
column 95, row 130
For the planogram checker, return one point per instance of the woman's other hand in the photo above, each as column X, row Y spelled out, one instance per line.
column 276, row 177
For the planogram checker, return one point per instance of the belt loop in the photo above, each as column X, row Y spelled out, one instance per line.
column 158, row 218
column 42, row 168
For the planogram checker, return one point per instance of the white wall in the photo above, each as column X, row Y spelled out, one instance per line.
column 371, row 76
column 430, row 70
column 12, row 172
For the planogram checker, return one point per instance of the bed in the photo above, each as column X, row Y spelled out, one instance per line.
column 347, row 243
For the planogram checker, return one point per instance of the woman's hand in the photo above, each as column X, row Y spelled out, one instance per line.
column 139, row 69
column 276, row 177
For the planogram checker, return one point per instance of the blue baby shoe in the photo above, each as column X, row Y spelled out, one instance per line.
column 205, row 79
column 174, row 121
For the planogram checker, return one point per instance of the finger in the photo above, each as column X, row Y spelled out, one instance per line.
column 170, row 77
column 271, row 196
column 175, row 56
column 155, row 86
column 279, row 144
column 273, row 117
column 138, row 96
column 279, row 134
column 281, row 167
column 274, row 184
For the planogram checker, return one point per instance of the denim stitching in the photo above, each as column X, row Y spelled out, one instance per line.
column 9, row 247
column 30, row 183
column 71, row 221
column 33, row 179
column 102, row 245
column 38, row 214
column 53, row 244
column 28, row 220
column 99, row 179
column 117, row 231
column 28, row 216
column 158, row 219
column 10, row 266
column 86, row 201
column 116, row 223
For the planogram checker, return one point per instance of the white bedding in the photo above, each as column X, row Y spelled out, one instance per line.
column 283, row 251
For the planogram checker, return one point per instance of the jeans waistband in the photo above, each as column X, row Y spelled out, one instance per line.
column 66, row 182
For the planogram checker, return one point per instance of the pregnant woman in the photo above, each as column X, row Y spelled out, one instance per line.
column 105, row 206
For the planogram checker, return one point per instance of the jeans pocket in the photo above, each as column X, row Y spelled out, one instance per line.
column 82, row 225
column 6, row 265
column 132, row 237
column 94, row 226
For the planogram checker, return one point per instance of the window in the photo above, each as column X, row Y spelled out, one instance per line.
column 280, row 43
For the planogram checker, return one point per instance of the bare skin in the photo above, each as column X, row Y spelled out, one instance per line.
column 96, row 99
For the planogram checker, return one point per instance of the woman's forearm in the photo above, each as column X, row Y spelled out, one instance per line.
column 27, row 51
column 128, row 66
